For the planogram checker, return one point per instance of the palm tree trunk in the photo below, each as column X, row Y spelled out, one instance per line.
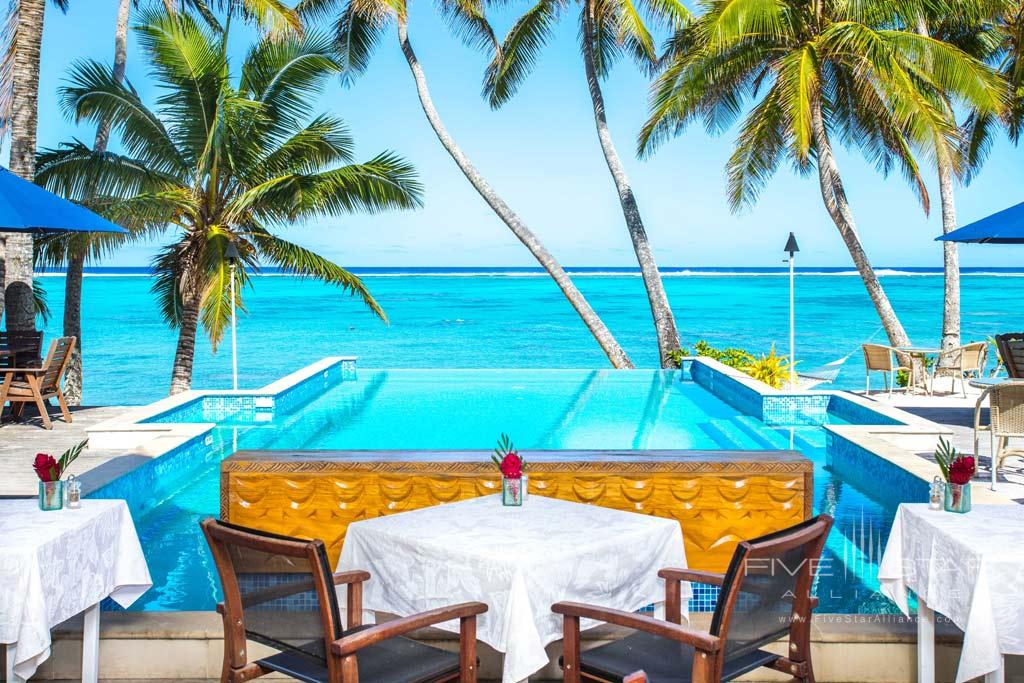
column 950, row 257
column 661, row 311
column 601, row 333
column 76, row 258
column 185, row 353
column 834, row 196
column 20, row 309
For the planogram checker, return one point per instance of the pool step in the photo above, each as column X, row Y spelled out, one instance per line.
column 767, row 437
column 728, row 435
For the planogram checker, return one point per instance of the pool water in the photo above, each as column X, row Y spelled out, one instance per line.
column 540, row 409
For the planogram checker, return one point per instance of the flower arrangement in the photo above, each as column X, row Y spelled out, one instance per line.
column 49, row 470
column 958, row 470
column 511, row 466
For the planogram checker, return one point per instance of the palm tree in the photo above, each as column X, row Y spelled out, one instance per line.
column 815, row 71
column 220, row 162
column 359, row 25
column 73, row 249
column 608, row 28
column 22, row 38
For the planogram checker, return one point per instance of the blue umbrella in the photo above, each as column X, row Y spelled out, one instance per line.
column 1004, row 227
column 26, row 207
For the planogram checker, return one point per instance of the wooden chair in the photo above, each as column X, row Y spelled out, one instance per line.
column 38, row 385
column 20, row 349
column 1011, row 353
column 279, row 591
column 878, row 358
column 765, row 595
column 960, row 363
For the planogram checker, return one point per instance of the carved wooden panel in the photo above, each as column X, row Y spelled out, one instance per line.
column 717, row 503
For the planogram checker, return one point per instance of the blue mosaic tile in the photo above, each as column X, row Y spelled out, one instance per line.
column 872, row 474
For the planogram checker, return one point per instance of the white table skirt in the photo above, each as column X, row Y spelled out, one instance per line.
column 969, row 568
column 519, row 561
column 54, row 565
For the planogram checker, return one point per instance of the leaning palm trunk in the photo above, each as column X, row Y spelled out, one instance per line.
column 20, row 307
column 601, row 333
column 76, row 255
column 834, row 196
column 185, row 353
column 661, row 311
column 950, row 258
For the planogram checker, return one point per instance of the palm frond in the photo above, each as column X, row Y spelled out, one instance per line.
column 520, row 51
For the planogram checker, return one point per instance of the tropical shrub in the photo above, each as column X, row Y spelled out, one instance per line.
column 770, row 368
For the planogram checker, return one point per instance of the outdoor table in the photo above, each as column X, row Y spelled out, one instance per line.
column 921, row 352
column 969, row 567
column 54, row 565
column 517, row 560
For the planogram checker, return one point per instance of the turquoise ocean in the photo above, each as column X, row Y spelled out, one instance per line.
column 514, row 318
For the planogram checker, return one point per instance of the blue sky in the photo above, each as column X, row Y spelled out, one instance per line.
column 541, row 153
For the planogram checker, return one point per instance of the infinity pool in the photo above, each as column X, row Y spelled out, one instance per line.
column 540, row 409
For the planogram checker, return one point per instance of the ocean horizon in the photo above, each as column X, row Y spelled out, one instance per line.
column 595, row 271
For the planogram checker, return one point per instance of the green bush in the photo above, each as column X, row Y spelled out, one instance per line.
column 769, row 368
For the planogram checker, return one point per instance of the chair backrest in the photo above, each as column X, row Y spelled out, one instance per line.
column 767, row 588
column 56, row 363
column 278, row 591
column 1011, row 352
column 1006, row 408
column 972, row 356
column 26, row 345
column 877, row 357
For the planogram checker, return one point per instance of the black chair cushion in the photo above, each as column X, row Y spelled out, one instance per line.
column 396, row 660
column 663, row 660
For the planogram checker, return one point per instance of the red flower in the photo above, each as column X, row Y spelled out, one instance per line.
column 511, row 466
column 46, row 467
column 961, row 470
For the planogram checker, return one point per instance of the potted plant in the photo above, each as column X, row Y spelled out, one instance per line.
column 49, row 471
column 511, row 465
column 958, row 470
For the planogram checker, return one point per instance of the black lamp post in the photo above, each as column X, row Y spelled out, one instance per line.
column 792, row 248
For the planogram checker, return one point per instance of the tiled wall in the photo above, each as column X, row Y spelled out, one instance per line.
column 730, row 390
column 876, row 476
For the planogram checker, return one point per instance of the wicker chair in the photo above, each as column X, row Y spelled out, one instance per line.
column 279, row 592
column 1011, row 353
column 960, row 363
column 765, row 595
column 1006, row 421
column 879, row 358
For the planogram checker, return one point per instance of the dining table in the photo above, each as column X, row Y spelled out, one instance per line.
column 517, row 560
column 57, row 564
column 968, row 567
column 923, row 354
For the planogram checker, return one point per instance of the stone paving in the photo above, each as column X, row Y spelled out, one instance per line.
column 956, row 412
column 19, row 443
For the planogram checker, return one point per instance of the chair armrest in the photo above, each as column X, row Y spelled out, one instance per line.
column 705, row 642
column 348, row 645
column 353, row 576
column 710, row 578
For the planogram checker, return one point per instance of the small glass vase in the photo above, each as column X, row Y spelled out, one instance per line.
column 51, row 495
column 511, row 492
column 958, row 498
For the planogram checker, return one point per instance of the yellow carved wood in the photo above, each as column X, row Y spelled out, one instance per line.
column 715, row 509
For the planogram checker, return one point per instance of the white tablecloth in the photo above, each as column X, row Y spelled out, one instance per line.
column 969, row 568
column 54, row 565
column 519, row 561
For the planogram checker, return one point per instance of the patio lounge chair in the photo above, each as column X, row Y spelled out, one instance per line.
column 878, row 358
column 1011, row 353
column 279, row 592
column 19, row 386
column 1006, row 421
column 960, row 363
column 765, row 595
